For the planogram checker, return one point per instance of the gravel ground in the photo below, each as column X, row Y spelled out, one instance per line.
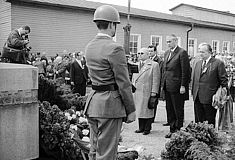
column 153, row 143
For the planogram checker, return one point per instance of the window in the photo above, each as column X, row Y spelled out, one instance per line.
column 233, row 46
column 226, row 45
column 135, row 43
column 215, row 46
column 156, row 40
column 192, row 47
column 115, row 37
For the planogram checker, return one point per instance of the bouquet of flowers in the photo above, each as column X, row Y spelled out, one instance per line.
column 63, row 135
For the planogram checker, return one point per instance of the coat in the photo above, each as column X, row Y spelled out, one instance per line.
column 107, row 64
column 78, row 74
column 205, row 84
column 176, row 71
column 146, row 81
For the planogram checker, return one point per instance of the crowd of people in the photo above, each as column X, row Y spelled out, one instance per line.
column 117, row 97
column 71, row 69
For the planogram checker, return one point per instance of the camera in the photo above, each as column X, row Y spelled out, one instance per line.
column 26, row 37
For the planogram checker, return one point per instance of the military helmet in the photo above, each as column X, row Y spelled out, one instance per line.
column 106, row 13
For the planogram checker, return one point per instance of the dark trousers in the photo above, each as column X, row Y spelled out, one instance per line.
column 145, row 124
column 80, row 88
column 175, row 110
column 204, row 112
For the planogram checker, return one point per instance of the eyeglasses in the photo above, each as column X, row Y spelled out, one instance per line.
column 141, row 53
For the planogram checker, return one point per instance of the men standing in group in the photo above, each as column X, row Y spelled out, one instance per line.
column 207, row 76
column 175, row 81
column 78, row 74
column 111, row 101
column 153, row 56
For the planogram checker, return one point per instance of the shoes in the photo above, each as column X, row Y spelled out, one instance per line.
column 168, row 135
column 146, row 132
column 166, row 124
column 139, row 131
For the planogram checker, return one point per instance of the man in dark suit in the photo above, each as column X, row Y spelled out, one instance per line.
column 111, row 101
column 175, row 82
column 153, row 56
column 207, row 76
column 78, row 75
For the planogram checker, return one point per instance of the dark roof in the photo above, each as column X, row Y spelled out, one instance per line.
column 139, row 13
column 204, row 9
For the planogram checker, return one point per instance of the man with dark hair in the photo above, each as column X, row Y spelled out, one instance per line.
column 153, row 56
column 111, row 101
column 175, row 81
column 207, row 76
column 78, row 75
column 15, row 48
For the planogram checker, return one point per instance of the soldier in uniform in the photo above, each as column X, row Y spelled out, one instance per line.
column 110, row 102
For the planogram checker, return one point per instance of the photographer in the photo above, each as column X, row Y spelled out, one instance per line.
column 15, row 49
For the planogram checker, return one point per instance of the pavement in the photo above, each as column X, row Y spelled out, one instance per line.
column 153, row 143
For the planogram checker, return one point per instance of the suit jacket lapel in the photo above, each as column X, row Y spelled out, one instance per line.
column 79, row 67
column 199, row 68
column 146, row 67
column 174, row 53
column 207, row 66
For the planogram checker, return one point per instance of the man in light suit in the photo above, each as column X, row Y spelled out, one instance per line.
column 79, row 75
column 147, row 83
column 175, row 81
column 207, row 76
column 111, row 101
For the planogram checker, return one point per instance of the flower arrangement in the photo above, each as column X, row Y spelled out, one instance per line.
column 63, row 135
column 197, row 141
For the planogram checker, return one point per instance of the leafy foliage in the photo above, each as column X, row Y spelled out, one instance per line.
column 59, row 94
column 60, row 130
column 198, row 141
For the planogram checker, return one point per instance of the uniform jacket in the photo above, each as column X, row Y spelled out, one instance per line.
column 176, row 71
column 107, row 64
column 205, row 83
column 78, row 74
column 146, row 81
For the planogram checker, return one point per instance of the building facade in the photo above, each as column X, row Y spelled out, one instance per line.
column 67, row 25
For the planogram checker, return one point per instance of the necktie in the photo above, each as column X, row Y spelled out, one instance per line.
column 141, row 64
column 203, row 65
column 169, row 55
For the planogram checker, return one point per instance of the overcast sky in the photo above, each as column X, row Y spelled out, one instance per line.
column 165, row 5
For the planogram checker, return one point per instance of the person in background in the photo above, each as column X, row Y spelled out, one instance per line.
column 40, row 64
column 78, row 75
column 207, row 76
column 147, row 83
column 49, row 69
column 43, row 57
column 110, row 101
column 153, row 56
column 175, row 82
column 59, row 69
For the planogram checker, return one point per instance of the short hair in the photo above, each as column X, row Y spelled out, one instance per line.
column 174, row 36
column 26, row 28
column 154, row 47
column 102, row 24
column 209, row 48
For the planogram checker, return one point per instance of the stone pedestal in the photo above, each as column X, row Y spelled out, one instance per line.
column 19, row 112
